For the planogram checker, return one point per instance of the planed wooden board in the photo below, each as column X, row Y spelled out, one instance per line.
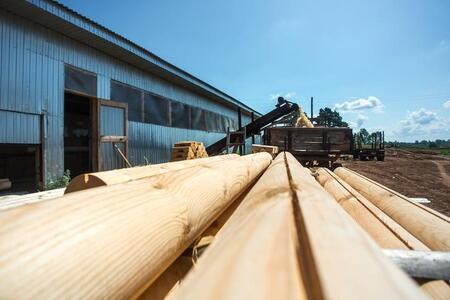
column 427, row 225
column 290, row 240
column 385, row 231
column 254, row 256
column 10, row 201
column 169, row 281
column 90, row 180
column 114, row 241
column 346, row 262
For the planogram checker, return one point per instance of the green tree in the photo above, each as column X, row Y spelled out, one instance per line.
column 330, row 118
column 364, row 135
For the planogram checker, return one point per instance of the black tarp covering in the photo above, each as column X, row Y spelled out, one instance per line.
column 198, row 119
column 156, row 110
column 180, row 114
column 80, row 81
column 132, row 96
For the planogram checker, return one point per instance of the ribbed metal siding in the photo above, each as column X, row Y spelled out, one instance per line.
column 32, row 62
column 153, row 143
column 128, row 50
column 19, row 128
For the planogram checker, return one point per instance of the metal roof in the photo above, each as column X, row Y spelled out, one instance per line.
column 60, row 18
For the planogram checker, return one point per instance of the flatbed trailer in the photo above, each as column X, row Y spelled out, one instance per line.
column 312, row 146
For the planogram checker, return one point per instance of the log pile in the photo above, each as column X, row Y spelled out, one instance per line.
column 188, row 150
column 226, row 227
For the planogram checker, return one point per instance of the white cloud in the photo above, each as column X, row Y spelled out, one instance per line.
column 369, row 103
column 447, row 104
column 423, row 116
column 360, row 120
column 421, row 122
column 352, row 124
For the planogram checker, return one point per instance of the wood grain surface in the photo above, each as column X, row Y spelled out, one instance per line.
column 427, row 225
column 114, row 241
column 90, row 180
column 385, row 231
column 289, row 239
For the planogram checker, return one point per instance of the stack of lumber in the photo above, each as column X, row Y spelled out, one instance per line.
column 188, row 150
column 380, row 226
column 272, row 150
column 226, row 227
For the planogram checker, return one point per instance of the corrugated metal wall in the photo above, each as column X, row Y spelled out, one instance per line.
column 32, row 60
column 19, row 128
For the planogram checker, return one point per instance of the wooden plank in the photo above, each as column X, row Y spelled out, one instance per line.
column 113, row 138
column 385, row 231
column 254, row 256
column 113, row 241
column 290, row 240
column 91, row 180
column 182, row 149
column 430, row 227
column 334, row 247
column 10, row 201
column 273, row 150
column 169, row 281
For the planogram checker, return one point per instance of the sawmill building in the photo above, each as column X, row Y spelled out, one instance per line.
column 74, row 95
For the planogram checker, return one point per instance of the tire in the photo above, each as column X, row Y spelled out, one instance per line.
column 380, row 157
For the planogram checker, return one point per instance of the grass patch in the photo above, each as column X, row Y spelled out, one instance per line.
column 60, row 182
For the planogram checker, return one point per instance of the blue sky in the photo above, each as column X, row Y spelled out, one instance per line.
column 384, row 64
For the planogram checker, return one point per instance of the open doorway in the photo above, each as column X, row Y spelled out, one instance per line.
column 77, row 134
column 19, row 168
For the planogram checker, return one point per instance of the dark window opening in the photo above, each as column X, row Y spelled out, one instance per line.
column 180, row 115
column 133, row 97
column 80, row 81
column 77, row 134
column 198, row 119
column 156, row 110
column 20, row 165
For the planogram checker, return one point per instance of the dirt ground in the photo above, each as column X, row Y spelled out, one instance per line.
column 422, row 174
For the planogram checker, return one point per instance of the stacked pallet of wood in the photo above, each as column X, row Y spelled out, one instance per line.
column 188, row 150
column 270, row 231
